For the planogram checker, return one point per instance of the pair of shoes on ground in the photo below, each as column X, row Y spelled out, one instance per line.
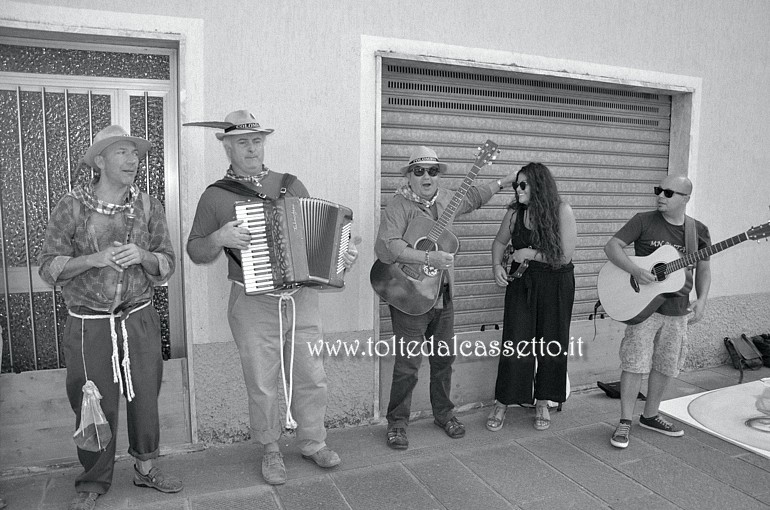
column 396, row 436
column 155, row 479
column 274, row 470
column 621, row 436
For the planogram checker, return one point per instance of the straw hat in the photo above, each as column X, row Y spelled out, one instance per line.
column 424, row 156
column 108, row 136
column 238, row 122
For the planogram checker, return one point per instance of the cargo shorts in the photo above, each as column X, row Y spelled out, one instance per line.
column 657, row 343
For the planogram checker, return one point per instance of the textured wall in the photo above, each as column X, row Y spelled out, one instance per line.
column 220, row 393
column 725, row 316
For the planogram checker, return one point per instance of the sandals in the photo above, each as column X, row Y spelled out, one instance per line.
column 397, row 438
column 453, row 427
column 542, row 417
column 496, row 417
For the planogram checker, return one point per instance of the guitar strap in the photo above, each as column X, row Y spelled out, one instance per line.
column 690, row 246
column 241, row 189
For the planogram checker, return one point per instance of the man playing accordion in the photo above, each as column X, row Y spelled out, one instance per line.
column 256, row 320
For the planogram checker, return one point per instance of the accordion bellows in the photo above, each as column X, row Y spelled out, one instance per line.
column 294, row 242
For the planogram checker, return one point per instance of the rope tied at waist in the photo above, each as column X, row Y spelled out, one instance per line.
column 116, row 363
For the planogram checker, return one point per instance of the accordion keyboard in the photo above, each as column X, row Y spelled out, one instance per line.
column 258, row 273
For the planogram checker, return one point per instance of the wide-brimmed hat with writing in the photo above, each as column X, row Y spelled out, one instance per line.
column 238, row 122
column 108, row 136
column 424, row 156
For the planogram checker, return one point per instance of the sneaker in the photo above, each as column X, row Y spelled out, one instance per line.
column 621, row 435
column 273, row 470
column 155, row 479
column 84, row 501
column 658, row 424
column 325, row 458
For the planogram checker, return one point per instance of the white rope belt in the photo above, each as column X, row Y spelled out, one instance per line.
column 291, row 424
column 115, row 357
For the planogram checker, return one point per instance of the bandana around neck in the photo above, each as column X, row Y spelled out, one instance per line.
column 406, row 192
column 87, row 196
column 254, row 179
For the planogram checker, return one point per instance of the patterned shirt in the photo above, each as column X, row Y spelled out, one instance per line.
column 72, row 233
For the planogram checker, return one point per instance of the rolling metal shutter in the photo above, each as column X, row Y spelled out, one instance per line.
column 606, row 145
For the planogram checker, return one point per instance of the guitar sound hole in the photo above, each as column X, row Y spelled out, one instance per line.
column 659, row 271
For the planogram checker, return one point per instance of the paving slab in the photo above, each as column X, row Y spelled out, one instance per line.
column 384, row 488
column 685, row 486
column 454, row 485
column 319, row 493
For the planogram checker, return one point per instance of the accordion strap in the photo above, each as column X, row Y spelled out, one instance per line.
column 239, row 188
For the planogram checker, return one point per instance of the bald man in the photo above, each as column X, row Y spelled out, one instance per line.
column 655, row 345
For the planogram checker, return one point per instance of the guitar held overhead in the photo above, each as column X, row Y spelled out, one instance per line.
column 625, row 300
column 414, row 288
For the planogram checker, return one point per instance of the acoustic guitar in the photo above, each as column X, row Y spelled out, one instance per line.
column 414, row 288
column 626, row 300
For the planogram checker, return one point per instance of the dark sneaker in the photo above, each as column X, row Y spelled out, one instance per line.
column 84, row 501
column 155, row 479
column 658, row 424
column 621, row 435
column 273, row 470
column 324, row 458
column 397, row 438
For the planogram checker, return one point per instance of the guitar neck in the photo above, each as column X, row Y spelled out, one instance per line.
column 692, row 258
column 451, row 209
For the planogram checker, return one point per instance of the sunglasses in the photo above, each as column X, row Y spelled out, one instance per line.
column 517, row 185
column 418, row 171
column 668, row 192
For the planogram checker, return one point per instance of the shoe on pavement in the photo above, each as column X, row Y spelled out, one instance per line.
column 84, row 501
column 155, row 479
column 658, row 424
column 325, row 458
column 620, row 437
column 273, row 470
column 453, row 427
column 397, row 438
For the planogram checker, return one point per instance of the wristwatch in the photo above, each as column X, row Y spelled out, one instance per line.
column 500, row 184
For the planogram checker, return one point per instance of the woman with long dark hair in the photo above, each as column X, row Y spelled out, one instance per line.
column 540, row 291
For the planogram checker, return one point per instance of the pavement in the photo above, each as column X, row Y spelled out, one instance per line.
column 571, row 465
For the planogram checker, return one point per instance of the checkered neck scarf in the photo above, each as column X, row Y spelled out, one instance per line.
column 254, row 179
column 86, row 194
column 406, row 192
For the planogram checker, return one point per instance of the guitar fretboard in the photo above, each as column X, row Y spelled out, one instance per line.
column 451, row 209
column 692, row 258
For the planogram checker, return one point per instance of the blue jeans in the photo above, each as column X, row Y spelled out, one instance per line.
column 434, row 326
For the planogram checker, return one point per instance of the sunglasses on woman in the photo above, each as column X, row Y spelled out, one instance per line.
column 517, row 185
column 418, row 171
column 667, row 192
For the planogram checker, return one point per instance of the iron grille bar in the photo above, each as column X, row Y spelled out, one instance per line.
column 90, row 126
column 67, row 131
column 7, row 288
column 48, row 217
column 26, row 228
column 147, row 135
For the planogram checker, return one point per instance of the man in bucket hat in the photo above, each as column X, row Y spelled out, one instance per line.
column 254, row 323
column 421, row 196
column 107, row 245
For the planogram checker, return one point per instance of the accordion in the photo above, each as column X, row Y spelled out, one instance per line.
column 294, row 242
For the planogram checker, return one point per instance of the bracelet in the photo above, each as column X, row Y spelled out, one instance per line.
column 427, row 255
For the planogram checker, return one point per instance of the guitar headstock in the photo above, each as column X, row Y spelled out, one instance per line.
column 759, row 232
column 487, row 153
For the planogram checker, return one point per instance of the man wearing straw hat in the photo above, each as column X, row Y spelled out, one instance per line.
column 107, row 245
column 256, row 321
column 421, row 196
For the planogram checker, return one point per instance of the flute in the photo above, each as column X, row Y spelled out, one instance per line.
column 130, row 216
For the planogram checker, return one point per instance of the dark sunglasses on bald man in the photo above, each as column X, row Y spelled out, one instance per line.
column 668, row 192
column 418, row 171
